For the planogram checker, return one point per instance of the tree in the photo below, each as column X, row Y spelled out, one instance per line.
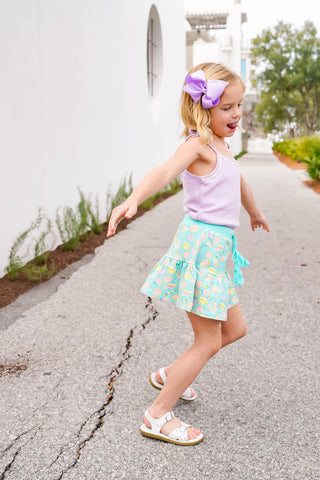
column 288, row 77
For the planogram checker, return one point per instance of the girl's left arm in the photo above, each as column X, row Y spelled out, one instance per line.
column 257, row 219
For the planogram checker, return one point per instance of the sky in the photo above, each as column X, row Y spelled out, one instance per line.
column 264, row 14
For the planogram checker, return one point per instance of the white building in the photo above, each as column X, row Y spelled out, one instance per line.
column 76, row 107
column 218, row 36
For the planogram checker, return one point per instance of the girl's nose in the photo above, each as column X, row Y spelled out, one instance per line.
column 237, row 112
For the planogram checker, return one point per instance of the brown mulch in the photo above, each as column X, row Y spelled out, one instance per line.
column 314, row 184
column 295, row 165
column 14, row 368
column 11, row 289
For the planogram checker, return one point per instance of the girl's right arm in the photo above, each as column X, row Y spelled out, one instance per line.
column 154, row 181
column 257, row 219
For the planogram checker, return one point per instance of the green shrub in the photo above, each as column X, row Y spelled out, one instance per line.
column 313, row 167
column 123, row 192
column 70, row 228
column 41, row 252
column 240, row 154
column 74, row 228
column 172, row 188
column 74, row 223
column 36, row 272
column 89, row 214
column 313, row 159
column 15, row 257
column 149, row 203
column 37, row 268
column 305, row 150
column 287, row 147
column 15, row 260
column 175, row 186
column 93, row 217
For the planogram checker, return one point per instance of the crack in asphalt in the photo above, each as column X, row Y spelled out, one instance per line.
column 16, row 453
column 8, row 467
column 18, row 437
column 100, row 414
column 113, row 376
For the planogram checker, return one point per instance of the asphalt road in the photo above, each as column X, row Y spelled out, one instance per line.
column 87, row 346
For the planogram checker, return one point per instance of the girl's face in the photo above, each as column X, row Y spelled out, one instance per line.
column 225, row 116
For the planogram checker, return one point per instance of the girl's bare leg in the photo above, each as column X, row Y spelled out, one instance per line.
column 166, row 370
column 207, row 342
column 235, row 327
column 230, row 331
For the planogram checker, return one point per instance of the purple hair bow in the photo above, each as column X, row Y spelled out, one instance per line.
column 210, row 91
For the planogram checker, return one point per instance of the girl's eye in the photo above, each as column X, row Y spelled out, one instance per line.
column 228, row 108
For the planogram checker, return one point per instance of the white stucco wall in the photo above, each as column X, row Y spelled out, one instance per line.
column 75, row 108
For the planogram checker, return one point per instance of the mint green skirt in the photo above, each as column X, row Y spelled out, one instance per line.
column 193, row 275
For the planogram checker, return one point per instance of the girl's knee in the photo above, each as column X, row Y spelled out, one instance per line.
column 214, row 349
column 242, row 331
column 230, row 336
column 209, row 349
column 207, row 335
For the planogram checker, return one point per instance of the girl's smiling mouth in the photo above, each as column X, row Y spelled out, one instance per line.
column 232, row 126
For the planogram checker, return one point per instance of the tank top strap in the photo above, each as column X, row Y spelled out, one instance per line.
column 212, row 148
column 192, row 133
column 216, row 151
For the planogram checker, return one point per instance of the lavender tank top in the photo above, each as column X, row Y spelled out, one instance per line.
column 214, row 198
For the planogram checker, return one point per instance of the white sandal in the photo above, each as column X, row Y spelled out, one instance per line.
column 187, row 394
column 179, row 435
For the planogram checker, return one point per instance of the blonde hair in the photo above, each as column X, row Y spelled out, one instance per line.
column 193, row 115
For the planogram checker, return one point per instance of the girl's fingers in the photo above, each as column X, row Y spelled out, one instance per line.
column 111, row 229
column 131, row 212
column 265, row 226
column 113, row 223
column 117, row 215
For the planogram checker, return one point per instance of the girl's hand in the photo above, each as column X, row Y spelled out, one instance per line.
column 127, row 210
column 259, row 221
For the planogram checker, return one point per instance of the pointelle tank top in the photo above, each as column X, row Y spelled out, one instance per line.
column 216, row 197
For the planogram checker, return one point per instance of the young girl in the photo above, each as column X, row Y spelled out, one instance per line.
column 193, row 273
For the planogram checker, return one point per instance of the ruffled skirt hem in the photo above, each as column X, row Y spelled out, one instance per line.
column 205, row 292
column 221, row 317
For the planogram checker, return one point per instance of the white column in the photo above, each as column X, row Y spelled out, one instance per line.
column 234, row 29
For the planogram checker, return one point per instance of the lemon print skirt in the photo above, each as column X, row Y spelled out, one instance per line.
column 193, row 274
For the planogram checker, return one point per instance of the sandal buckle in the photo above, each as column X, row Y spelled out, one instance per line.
column 169, row 416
